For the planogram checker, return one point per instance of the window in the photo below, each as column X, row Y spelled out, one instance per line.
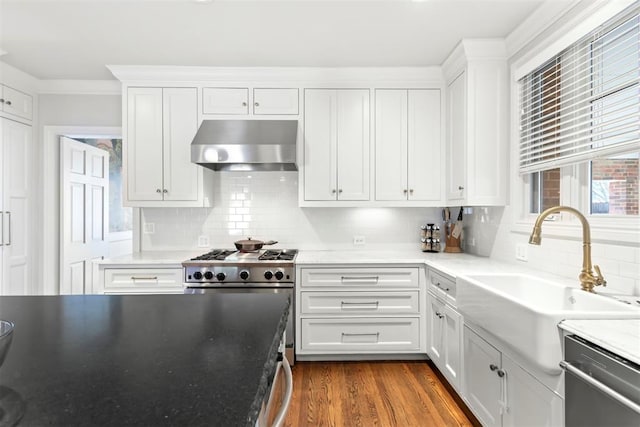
column 583, row 108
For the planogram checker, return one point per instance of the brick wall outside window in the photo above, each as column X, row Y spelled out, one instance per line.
column 622, row 177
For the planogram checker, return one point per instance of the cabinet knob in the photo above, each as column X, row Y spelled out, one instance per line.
column 493, row 367
column 165, row 191
column 404, row 191
column 1, row 100
column 257, row 104
column 158, row 190
column 340, row 190
column 460, row 187
column 411, row 191
column 244, row 104
column 501, row 373
column 7, row 102
column 440, row 316
column 333, row 191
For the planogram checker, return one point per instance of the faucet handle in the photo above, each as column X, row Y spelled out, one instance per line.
column 600, row 279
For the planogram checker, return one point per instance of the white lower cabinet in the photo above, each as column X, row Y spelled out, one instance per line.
column 143, row 281
column 444, row 339
column 501, row 393
column 346, row 311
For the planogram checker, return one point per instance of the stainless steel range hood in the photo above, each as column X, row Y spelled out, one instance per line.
column 246, row 145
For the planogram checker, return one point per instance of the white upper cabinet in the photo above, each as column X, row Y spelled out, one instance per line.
column 408, row 146
column 269, row 101
column 161, row 123
column 336, row 145
column 223, row 100
column 477, row 123
column 16, row 103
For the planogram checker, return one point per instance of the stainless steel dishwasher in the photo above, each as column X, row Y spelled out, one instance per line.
column 601, row 389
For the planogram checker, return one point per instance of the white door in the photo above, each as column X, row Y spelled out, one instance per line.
column 452, row 345
column 84, row 216
column 219, row 100
column 179, row 125
column 353, row 144
column 424, row 145
column 391, row 145
column 320, row 144
column 435, row 337
column 16, row 151
column 144, row 144
column 457, row 125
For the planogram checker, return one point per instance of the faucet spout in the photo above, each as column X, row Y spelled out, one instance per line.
column 588, row 280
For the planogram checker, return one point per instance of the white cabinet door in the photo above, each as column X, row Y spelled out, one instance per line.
column 391, row 145
column 181, row 178
column 275, row 101
column 218, row 100
column 435, row 335
column 144, row 144
column 424, row 146
column 452, row 351
column 353, row 144
column 528, row 402
column 320, row 144
column 16, row 160
column 482, row 386
column 456, row 152
column 16, row 103
column 143, row 280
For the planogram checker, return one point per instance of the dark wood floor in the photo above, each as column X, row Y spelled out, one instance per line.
column 367, row 394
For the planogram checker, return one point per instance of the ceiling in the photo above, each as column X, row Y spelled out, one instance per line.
column 75, row 39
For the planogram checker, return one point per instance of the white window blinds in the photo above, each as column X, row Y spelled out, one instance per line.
column 584, row 103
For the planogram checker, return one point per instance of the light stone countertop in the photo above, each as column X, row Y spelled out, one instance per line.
column 152, row 258
column 619, row 336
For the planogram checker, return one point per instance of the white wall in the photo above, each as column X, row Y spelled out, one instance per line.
column 265, row 207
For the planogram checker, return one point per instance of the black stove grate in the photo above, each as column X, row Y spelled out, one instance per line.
column 214, row 255
column 279, row 255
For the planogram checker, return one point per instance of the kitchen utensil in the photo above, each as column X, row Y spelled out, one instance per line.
column 460, row 213
column 250, row 245
column 6, row 335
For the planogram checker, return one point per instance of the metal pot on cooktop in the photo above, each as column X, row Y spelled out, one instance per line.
column 250, row 245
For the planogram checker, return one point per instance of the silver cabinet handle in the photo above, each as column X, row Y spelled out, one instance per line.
column 244, row 104
column 440, row 286
column 256, row 104
column 411, row 191
column 333, row 191
column 404, row 191
column 165, row 191
column 460, row 187
column 501, row 373
column 1, row 100
column 493, row 367
column 356, row 305
column 286, row 400
column 364, row 279
column 144, row 277
column 340, row 190
column 569, row 367
column 440, row 315
column 158, row 190
column 370, row 334
column 9, row 216
column 7, row 102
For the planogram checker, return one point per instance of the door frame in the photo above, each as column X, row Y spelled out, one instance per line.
column 47, row 279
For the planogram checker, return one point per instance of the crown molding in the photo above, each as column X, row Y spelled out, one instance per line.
column 266, row 75
column 472, row 49
column 79, row 87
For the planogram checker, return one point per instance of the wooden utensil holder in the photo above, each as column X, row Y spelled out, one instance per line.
column 452, row 244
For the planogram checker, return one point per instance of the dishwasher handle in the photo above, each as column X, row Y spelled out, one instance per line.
column 286, row 401
column 569, row 367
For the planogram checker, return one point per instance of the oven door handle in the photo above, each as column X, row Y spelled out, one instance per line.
column 569, row 367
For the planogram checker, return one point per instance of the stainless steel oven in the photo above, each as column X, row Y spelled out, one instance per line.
column 231, row 271
column 601, row 389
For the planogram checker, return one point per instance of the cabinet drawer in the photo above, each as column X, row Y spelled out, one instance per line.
column 442, row 286
column 357, row 278
column 143, row 280
column 360, row 335
column 359, row 303
column 218, row 100
column 275, row 101
column 17, row 103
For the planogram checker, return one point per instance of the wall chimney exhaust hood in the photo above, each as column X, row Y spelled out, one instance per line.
column 246, row 145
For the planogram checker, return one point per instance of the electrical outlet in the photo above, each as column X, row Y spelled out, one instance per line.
column 203, row 241
column 521, row 252
column 358, row 240
column 149, row 228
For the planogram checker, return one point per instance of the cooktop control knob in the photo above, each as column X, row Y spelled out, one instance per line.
column 268, row 275
column 208, row 275
column 244, row 274
column 220, row 277
column 197, row 275
column 279, row 275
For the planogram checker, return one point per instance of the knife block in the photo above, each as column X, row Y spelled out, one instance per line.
column 452, row 244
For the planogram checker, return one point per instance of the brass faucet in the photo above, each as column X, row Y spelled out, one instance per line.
column 587, row 279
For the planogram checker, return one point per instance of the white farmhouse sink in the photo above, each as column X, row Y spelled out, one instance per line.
column 524, row 312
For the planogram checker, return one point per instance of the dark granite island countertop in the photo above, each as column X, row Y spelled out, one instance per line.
column 149, row 360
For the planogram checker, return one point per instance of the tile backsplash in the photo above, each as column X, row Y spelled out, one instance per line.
column 264, row 205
